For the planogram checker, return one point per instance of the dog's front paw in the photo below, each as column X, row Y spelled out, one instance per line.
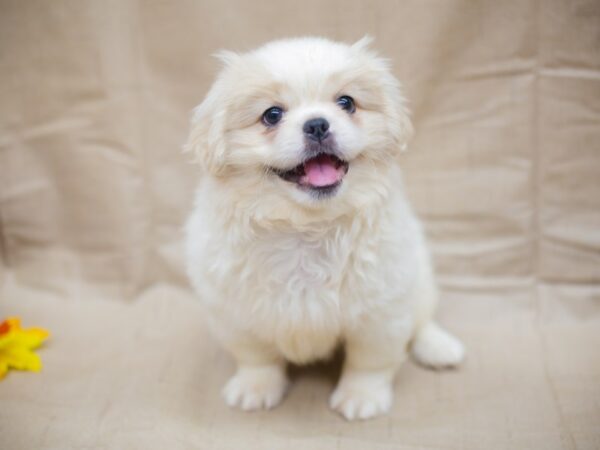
column 253, row 388
column 362, row 396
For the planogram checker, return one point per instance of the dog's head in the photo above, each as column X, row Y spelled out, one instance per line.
column 307, row 122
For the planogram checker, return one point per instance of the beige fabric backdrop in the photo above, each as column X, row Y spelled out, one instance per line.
column 504, row 169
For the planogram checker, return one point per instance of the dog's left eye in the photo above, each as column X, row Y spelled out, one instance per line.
column 346, row 103
column 272, row 116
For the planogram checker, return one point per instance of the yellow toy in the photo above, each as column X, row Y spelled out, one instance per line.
column 17, row 345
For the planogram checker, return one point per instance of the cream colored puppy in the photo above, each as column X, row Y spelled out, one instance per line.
column 301, row 237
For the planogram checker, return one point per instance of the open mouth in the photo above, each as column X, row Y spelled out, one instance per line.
column 322, row 173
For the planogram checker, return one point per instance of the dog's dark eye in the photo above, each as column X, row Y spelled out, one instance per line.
column 272, row 116
column 346, row 103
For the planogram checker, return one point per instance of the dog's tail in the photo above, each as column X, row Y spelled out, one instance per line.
column 435, row 348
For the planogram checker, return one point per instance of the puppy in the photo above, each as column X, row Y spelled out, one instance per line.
column 301, row 237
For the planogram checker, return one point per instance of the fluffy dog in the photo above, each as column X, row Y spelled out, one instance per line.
column 301, row 237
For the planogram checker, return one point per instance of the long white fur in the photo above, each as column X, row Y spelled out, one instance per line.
column 285, row 276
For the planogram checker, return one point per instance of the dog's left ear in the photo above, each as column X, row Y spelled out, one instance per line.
column 363, row 43
column 395, row 107
column 401, row 127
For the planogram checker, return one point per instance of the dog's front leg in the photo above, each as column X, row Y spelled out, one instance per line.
column 260, row 381
column 374, row 351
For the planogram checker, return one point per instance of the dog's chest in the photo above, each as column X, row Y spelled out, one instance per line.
column 297, row 290
column 298, row 278
column 298, row 267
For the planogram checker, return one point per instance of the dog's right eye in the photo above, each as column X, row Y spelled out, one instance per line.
column 272, row 116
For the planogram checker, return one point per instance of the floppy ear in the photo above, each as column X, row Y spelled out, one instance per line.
column 402, row 128
column 400, row 125
column 206, row 140
column 227, row 57
column 363, row 43
column 207, row 135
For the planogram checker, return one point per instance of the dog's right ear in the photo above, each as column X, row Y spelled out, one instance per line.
column 227, row 57
column 207, row 136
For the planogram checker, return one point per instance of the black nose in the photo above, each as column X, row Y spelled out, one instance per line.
column 316, row 129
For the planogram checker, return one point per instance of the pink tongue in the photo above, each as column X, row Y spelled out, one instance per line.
column 321, row 171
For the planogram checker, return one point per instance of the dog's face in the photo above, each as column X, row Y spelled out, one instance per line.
column 305, row 121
